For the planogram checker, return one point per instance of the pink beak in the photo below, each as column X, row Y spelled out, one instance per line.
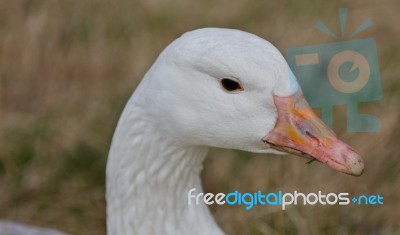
column 299, row 131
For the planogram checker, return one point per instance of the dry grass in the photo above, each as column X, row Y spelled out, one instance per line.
column 67, row 68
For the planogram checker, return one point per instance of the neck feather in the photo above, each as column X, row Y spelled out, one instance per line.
column 148, row 179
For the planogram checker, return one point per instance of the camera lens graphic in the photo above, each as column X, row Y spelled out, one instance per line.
column 358, row 61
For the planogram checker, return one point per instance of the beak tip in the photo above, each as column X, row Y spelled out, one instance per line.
column 355, row 163
column 357, row 171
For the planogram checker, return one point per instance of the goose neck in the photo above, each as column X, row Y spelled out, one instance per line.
column 148, row 180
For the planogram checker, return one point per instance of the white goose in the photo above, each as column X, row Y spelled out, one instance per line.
column 209, row 88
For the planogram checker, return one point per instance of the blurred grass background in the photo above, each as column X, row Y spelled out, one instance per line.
column 67, row 68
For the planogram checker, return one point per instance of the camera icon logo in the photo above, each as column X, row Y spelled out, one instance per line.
column 340, row 73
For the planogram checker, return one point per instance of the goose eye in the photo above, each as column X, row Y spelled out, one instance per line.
column 231, row 85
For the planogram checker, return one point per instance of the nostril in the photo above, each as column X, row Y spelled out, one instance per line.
column 309, row 134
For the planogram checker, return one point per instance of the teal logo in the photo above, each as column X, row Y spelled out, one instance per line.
column 340, row 73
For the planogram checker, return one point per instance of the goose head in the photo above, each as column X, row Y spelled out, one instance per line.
column 231, row 89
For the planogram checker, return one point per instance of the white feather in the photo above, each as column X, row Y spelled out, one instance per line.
column 179, row 110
